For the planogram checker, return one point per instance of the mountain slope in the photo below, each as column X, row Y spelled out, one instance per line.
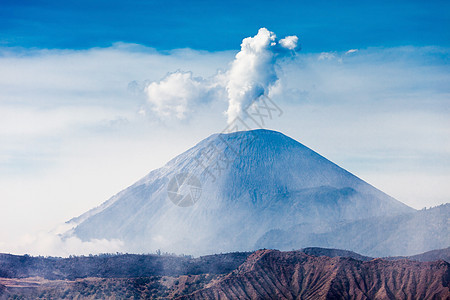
column 269, row 274
column 443, row 254
column 251, row 182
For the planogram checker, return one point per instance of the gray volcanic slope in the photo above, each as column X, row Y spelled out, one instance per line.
column 252, row 182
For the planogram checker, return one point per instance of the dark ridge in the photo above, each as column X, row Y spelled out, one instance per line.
column 143, row 265
column 329, row 252
column 117, row 265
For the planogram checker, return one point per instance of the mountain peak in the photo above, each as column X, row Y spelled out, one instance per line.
column 259, row 133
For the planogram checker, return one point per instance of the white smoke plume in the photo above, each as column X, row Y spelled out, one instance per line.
column 252, row 73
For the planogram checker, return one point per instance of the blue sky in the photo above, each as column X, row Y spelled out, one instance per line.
column 95, row 94
column 220, row 25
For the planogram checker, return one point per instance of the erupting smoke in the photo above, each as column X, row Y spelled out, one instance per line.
column 252, row 73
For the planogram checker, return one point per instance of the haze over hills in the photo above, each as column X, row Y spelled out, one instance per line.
column 252, row 184
column 400, row 235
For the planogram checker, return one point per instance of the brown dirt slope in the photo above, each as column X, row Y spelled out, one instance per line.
column 271, row 274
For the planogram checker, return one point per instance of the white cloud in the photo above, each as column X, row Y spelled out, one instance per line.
column 289, row 42
column 252, row 72
column 177, row 93
column 31, row 121
column 351, row 51
column 326, row 56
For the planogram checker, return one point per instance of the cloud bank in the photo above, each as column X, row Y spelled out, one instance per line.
column 51, row 244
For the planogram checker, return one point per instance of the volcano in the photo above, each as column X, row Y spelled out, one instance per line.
column 228, row 192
